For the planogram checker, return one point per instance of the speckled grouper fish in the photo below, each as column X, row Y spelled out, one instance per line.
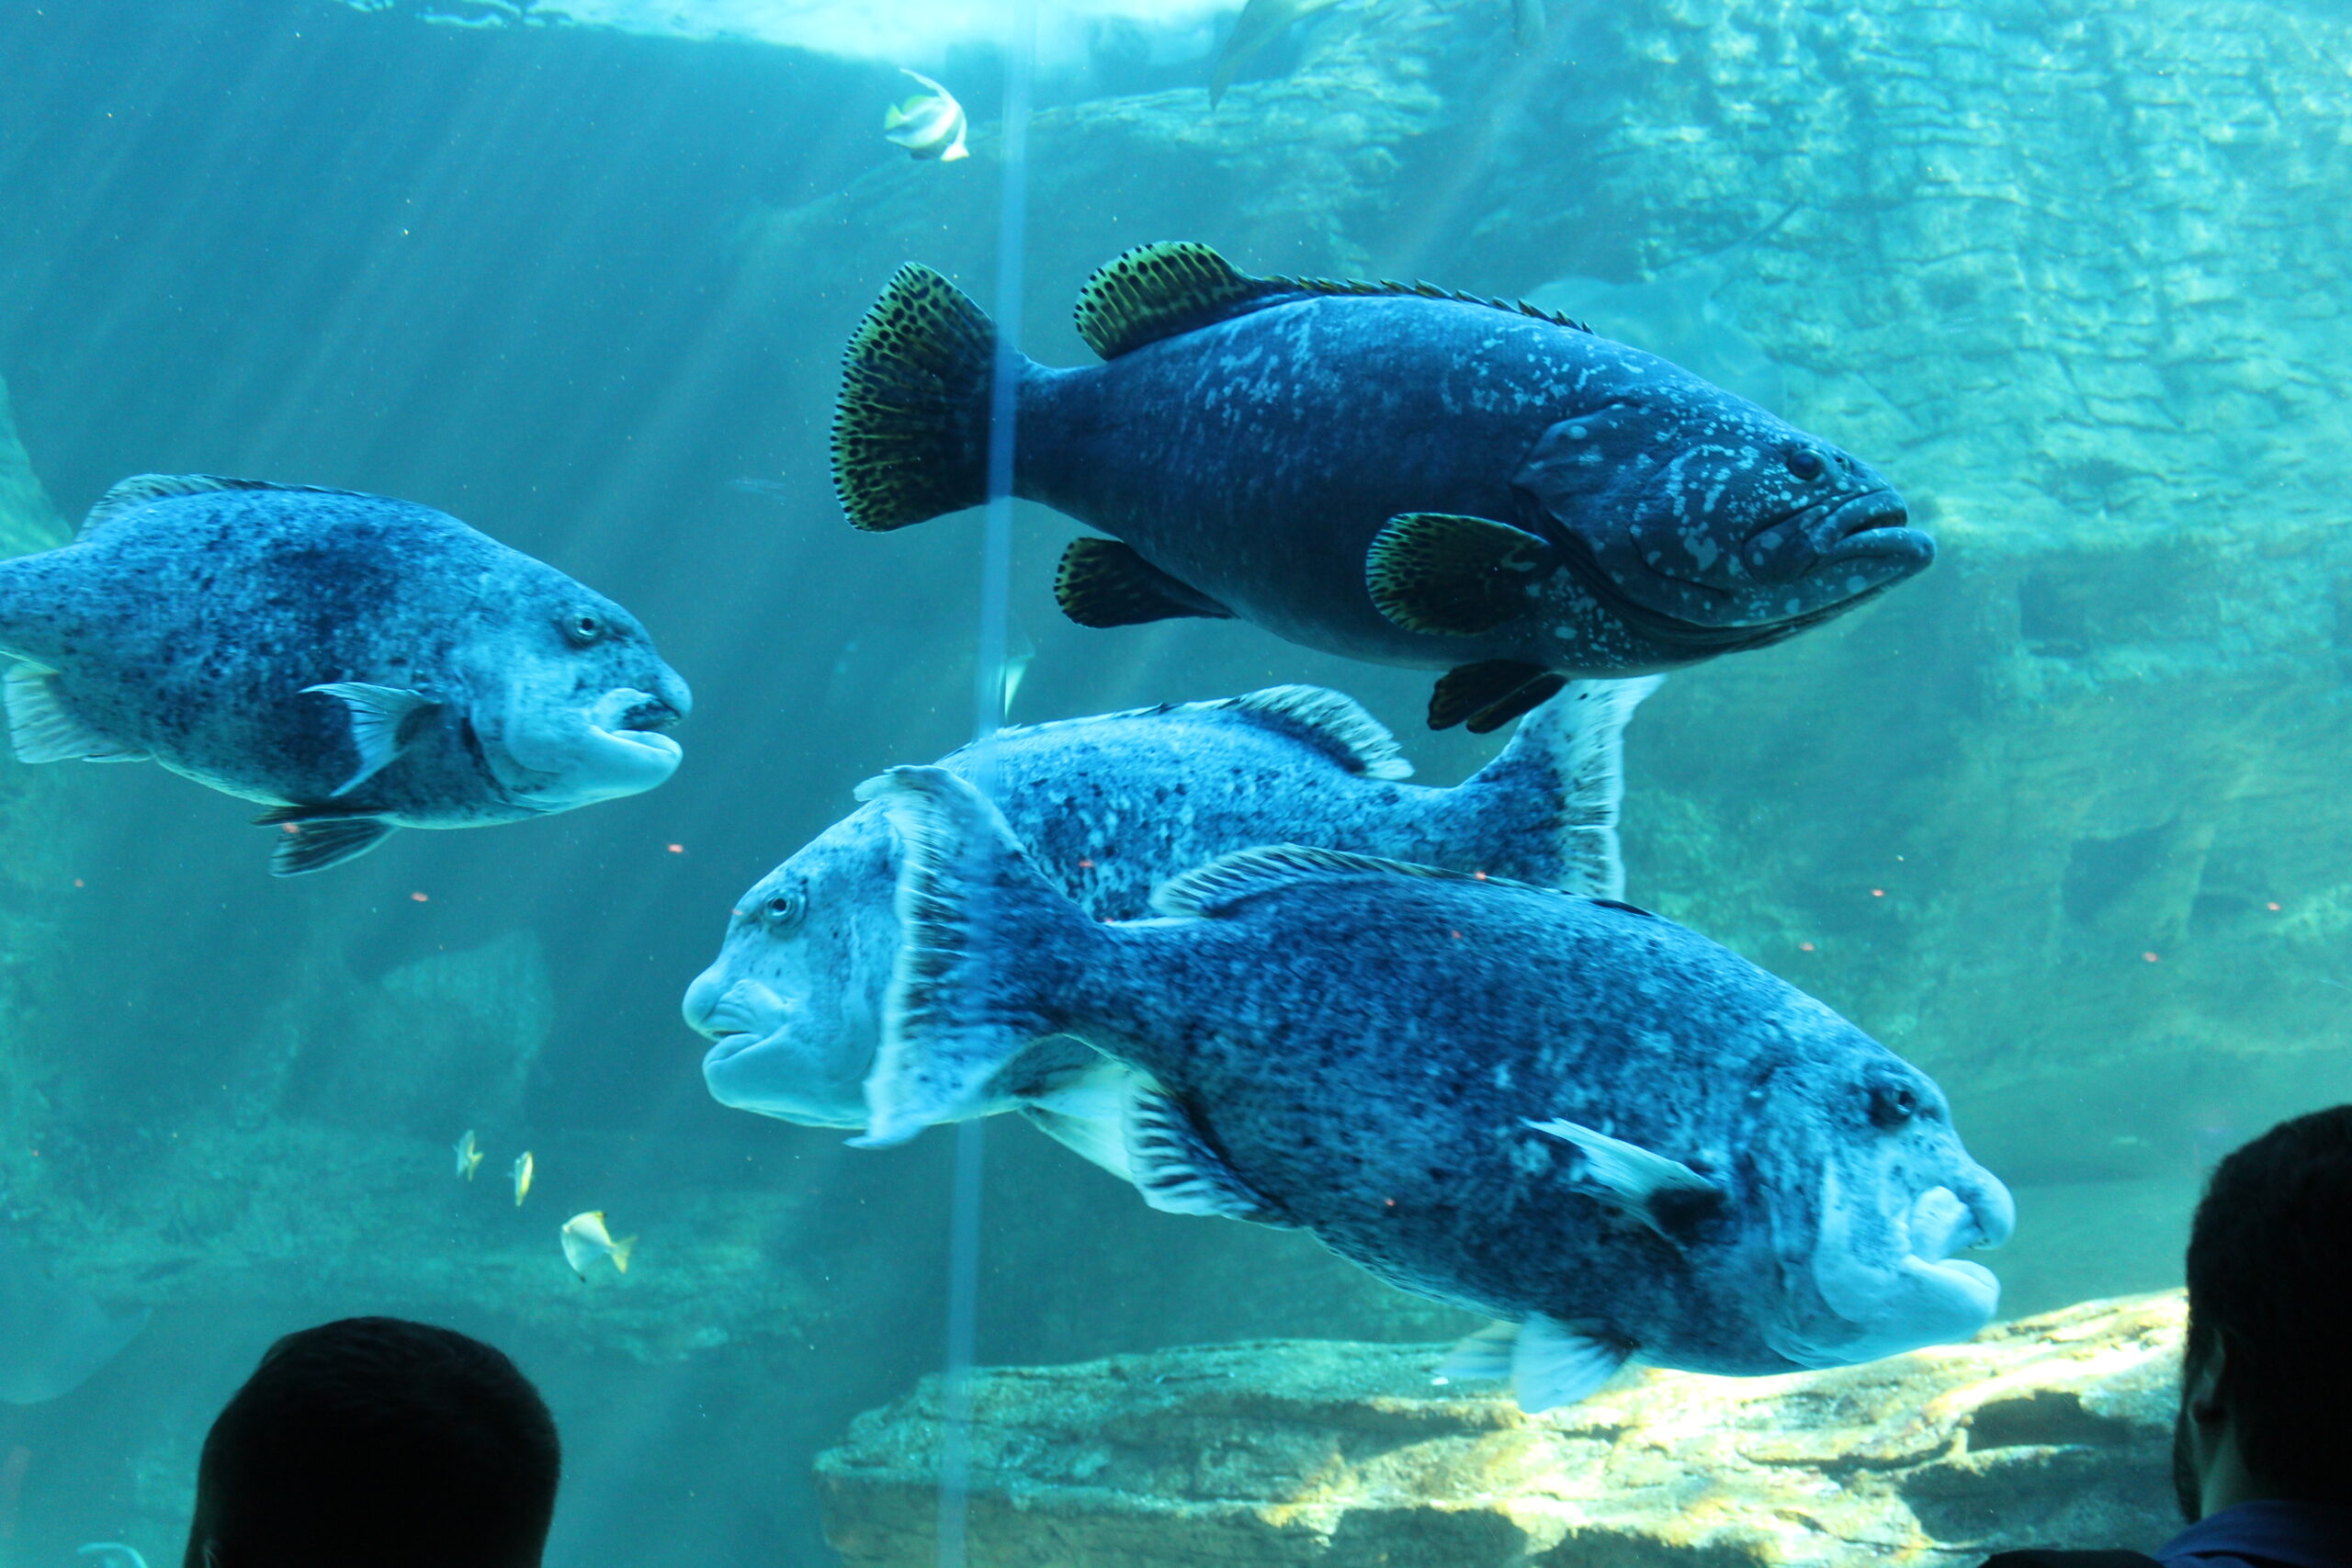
column 1109, row 808
column 1386, row 471
column 358, row 663
column 1558, row 1110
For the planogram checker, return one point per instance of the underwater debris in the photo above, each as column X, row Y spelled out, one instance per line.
column 1380, row 1085
column 929, row 125
column 585, row 1239
column 1682, row 522
column 189, row 606
column 794, row 1002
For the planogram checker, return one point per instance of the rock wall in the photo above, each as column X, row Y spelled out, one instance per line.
column 2052, row 1430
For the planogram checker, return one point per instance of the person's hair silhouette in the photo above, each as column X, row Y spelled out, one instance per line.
column 372, row 1442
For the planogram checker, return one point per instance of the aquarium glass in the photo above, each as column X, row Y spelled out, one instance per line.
column 2059, row 820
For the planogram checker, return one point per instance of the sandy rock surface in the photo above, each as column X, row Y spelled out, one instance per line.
column 2051, row 1430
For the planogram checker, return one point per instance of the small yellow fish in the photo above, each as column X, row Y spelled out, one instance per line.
column 468, row 1155
column 585, row 1239
column 929, row 125
column 522, row 1178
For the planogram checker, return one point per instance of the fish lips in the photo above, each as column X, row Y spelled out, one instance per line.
column 1894, row 1286
column 612, row 746
column 1847, row 547
column 756, row 1062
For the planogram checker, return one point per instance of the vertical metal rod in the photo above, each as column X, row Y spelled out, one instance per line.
column 988, row 716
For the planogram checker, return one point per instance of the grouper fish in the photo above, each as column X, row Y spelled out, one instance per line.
column 1561, row 1112
column 357, row 663
column 1386, row 471
column 1109, row 808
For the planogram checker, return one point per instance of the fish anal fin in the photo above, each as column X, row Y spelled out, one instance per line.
column 316, row 844
column 1179, row 1169
column 1102, row 583
column 1455, row 576
column 385, row 720
column 144, row 490
column 1483, row 1357
column 1331, row 722
column 1489, row 694
column 43, row 729
column 1554, row 1363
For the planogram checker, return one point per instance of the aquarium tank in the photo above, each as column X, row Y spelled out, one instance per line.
column 1824, row 500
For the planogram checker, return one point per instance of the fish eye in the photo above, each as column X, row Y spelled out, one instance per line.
column 1805, row 463
column 1893, row 1105
column 583, row 626
column 782, row 912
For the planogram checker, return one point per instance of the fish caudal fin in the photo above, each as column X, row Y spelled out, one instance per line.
column 911, row 428
column 1548, row 804
column 621, row 1249
column 986, row 942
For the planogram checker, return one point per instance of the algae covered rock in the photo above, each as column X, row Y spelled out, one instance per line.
column 2052, row 1430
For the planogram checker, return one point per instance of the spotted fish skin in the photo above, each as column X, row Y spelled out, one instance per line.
column 1111, row 807
column 233, row 631
column 1385, row 472
column 1448, row 1080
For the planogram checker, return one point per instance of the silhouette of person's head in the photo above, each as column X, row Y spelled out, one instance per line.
column 2267, row 1374
column 373, row 1442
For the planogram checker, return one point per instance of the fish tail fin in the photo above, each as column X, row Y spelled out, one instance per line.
column 1548, row 803
column 910, row 427
column 987, row 945
column 621, row 1249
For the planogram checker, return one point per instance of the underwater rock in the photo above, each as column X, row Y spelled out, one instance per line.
column 2050, row 1431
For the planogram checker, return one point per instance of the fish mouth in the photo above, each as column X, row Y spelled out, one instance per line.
column 1921, row 1295
column 626, row 716
column 1869, row 527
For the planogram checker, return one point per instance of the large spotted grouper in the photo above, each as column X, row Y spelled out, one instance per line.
column 1558, row 1110
column 1390, row 472
column 1111, row 807
column 357, row 662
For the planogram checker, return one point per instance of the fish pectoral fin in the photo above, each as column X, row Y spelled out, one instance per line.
column 1454, row 576
column 1162, row 290
column 314, row 843
column 1102, row 583
column 1490, row 694
column 41, row 727
column 385, row 721
column 1180, row 1171
column 1664, row 1194
column 1554, row 1363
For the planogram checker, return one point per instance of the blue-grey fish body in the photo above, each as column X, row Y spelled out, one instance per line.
column 1558, row 1110
column 358, row 663
column 1391, row 473
column 1110, row 807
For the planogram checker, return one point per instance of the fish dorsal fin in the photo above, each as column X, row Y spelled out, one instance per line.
column 1330, row 721
column 144, row 489
column 1227, row 881
column 1177, row 286
column 1158, row 290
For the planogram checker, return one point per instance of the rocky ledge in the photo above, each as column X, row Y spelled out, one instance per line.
column 2052, row 1430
